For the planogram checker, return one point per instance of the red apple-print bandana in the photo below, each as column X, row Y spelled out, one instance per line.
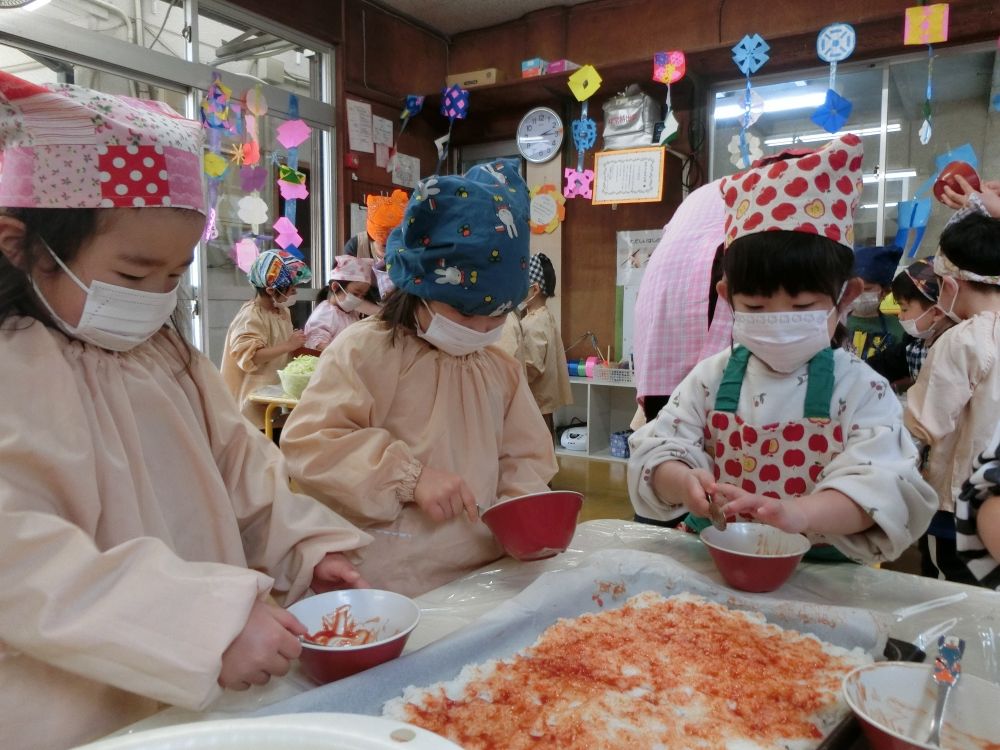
column 816, row 193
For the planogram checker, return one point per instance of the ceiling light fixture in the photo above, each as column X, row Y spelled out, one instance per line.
column 777, row 104
column 894, row 127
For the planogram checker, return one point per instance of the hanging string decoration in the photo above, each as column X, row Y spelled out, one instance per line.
column 927, row 24
column 750, row 55
column 584, row 83
column 669, row 68
column 291, row 134
column 834, row 44
column 411, row 108
column 251, row 208
column 218, row 113
column 454, row 106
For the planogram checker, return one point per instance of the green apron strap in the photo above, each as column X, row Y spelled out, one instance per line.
column 819, row 388
column 728, row 396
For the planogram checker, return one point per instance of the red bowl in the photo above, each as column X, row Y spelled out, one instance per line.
column 753, row 556
column 533, row 527
column 894, row 703
column 946, row 178
column 397, row 617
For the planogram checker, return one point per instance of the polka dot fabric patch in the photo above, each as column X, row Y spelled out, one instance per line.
column 133, row 176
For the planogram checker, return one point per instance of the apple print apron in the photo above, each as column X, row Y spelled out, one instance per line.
column 781, row 459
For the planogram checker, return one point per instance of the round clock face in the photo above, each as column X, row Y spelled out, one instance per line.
column 539, row 135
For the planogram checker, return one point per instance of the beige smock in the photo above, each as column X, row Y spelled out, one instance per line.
column 376, row 413
column 253, row 329
column 512, row 340
column 955, row 403
column 134, row 498
column 545, row 361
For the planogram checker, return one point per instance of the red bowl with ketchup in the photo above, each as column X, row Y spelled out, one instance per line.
column 353, row 630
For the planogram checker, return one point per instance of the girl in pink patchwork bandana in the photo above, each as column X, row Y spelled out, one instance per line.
column 145, row 525
column 342, row 302
column 781, row 428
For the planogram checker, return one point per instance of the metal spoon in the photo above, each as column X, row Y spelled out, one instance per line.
column 715, row 513
column 947, row 670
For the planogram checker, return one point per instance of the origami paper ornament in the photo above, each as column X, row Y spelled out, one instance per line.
column 752, row 113
column 288, row 235
column 454, row 106
column 578, row 183
column 292, row 132
column 252, row 210
column 750, row 55
column 753, row 148
column 833, row 113
column 252, row 178
column 926, row 24
column 412, row 107
column 912, row 218
column 548, row 208
column 927, row 128
column 215, row 165
column 245, row 251
column 216, row 111
column 292, row 190
column 834, row 44
column 255, row 101
column 584, row 82
column 584, row 133
column 293, row 176
column 668, row 68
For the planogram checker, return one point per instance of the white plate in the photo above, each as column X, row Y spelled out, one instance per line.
column 319, row 731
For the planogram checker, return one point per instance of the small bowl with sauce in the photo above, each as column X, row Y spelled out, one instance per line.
column 353, row 630
column 535, row 527
column 894, row 703
column 753, row 556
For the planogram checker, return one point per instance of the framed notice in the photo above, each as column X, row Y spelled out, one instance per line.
column 632, row 175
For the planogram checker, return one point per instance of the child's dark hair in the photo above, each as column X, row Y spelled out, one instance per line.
column 65, row 231
column 399, row 311
column 548, row 275
column 904, row 290
column 763, row 263
column 973, row 244
column 323, row 294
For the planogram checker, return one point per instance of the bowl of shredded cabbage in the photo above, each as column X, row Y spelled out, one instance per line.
column 296, row 375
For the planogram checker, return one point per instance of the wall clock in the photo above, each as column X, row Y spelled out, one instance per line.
column 539, row 135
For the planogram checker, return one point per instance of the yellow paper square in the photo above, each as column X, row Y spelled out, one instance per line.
column 584, row 83
column 215, row 165
column 926, row 24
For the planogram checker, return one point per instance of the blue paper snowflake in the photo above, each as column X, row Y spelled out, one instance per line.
column 584, row 133
column 751, row 54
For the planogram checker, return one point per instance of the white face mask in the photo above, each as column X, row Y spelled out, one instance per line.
column 454, row 338
column 950, row 312
column 287, row 302
column 910, row 326
column 783, row 340
column 114, row 317
column 867, row 304
column 350, row 302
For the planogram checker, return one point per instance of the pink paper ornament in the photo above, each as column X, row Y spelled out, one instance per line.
column 292, row 133
column 578, row 183
column 246, row 250
column 288, row 235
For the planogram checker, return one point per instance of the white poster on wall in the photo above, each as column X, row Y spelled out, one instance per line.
column 359, row 126
column 381, row 130
column 359, row 219
column 405, row 170
column 634, row 248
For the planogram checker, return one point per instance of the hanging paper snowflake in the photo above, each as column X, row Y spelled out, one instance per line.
column 751, row 54
column 584, row 134
column 836, row 42
column 753, row 148
column 578, row 183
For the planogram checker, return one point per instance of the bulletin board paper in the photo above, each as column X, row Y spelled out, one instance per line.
column 634, row 249
column 381, row 130
column 406, row 170
column 629, row 176
column 359, row 126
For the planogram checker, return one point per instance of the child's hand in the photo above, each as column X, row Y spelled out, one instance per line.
column 442, row 495
column 674, row 479
column 296, row 341
column 786, row 515
column 957, row 199
column 265, row 647
column 335, row 571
